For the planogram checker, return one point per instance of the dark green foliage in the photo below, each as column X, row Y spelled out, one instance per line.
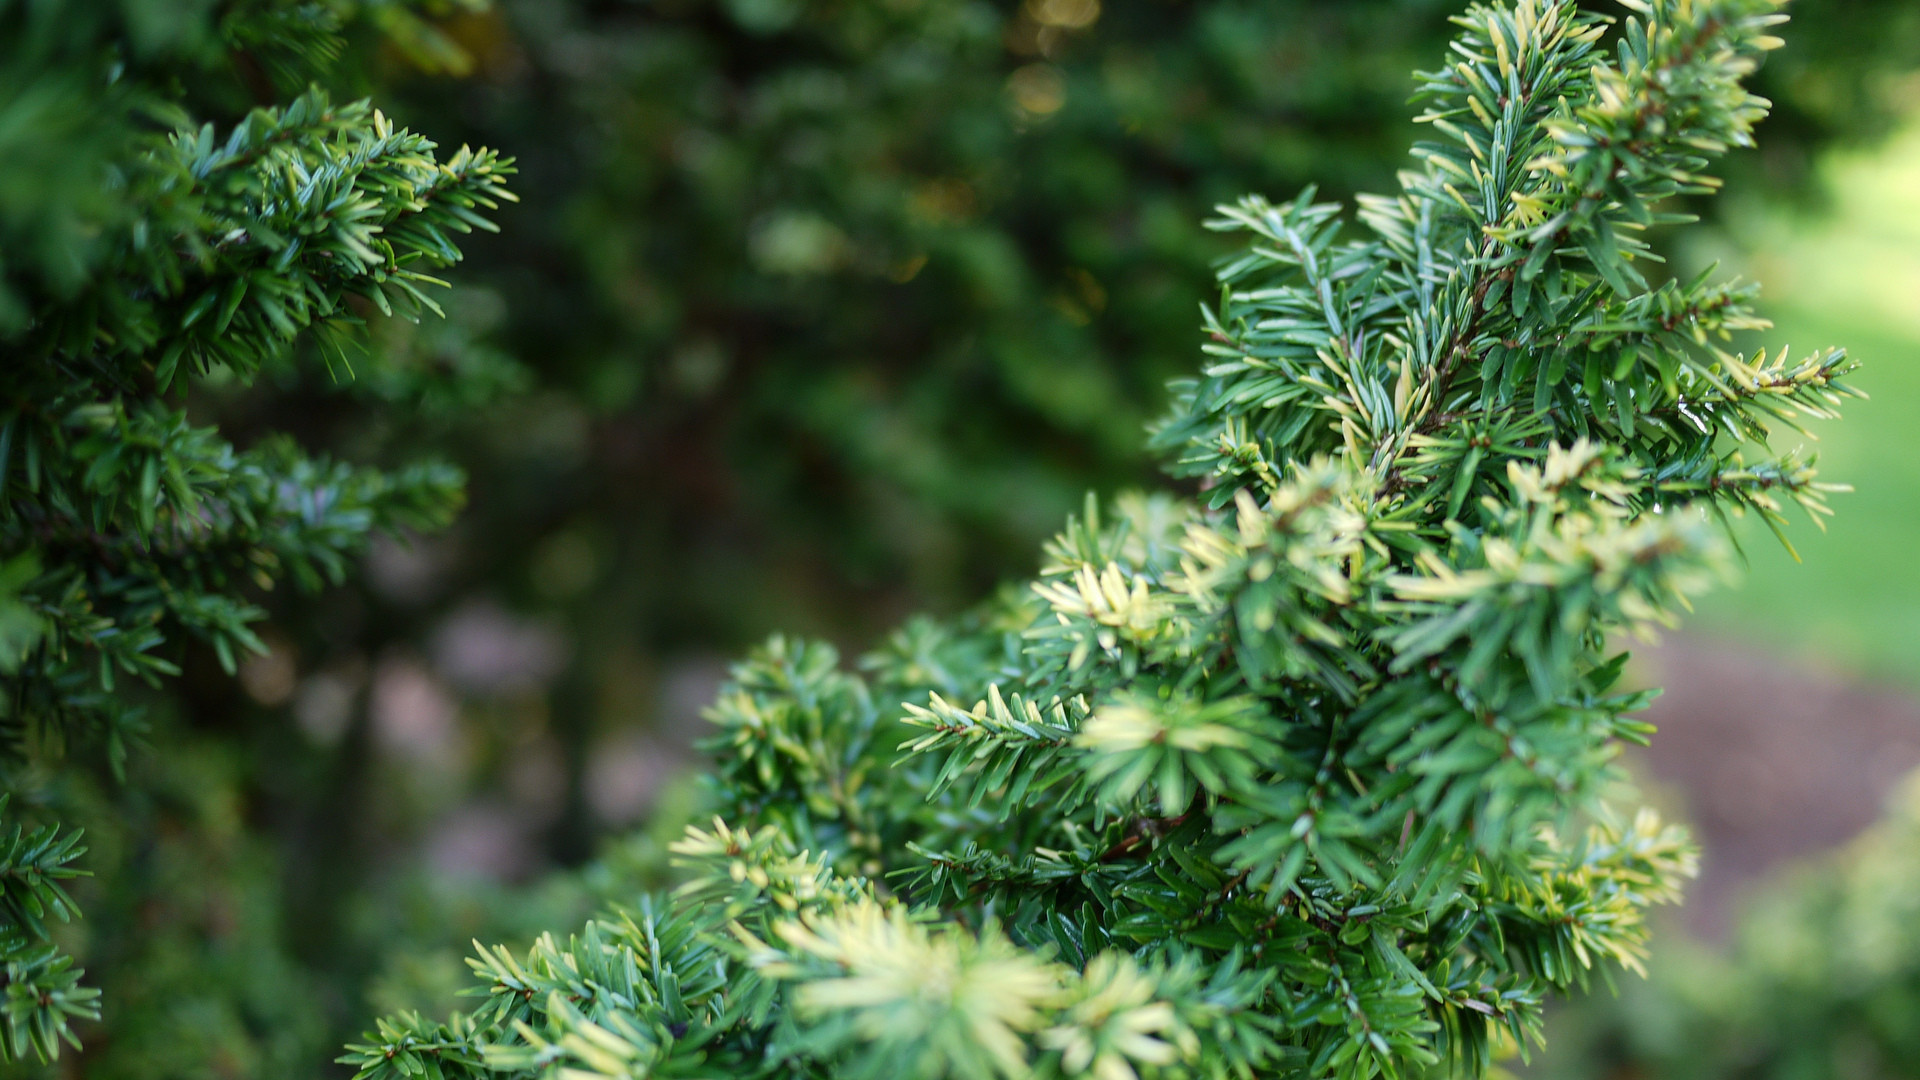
column 157, row 254
column 838, row 315
column 1303, row 777
column 43, row 994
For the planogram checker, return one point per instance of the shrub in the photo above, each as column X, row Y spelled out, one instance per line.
column 156, row 253
column 1303, row 775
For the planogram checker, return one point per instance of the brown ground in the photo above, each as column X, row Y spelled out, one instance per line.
column 1772, row 762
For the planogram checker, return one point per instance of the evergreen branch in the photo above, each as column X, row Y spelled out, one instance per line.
column 41, row 988
column 1312, row 743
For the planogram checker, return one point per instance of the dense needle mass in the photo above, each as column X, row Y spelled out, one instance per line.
column 174, row 253
column 1302, row 776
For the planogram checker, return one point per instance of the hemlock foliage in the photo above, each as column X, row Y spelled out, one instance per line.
column 1305, row 775
column 162, row 253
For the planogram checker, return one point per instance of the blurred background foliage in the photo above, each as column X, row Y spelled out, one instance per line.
column 814, row 313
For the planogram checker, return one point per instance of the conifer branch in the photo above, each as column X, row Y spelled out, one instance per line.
column 1302, row 778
